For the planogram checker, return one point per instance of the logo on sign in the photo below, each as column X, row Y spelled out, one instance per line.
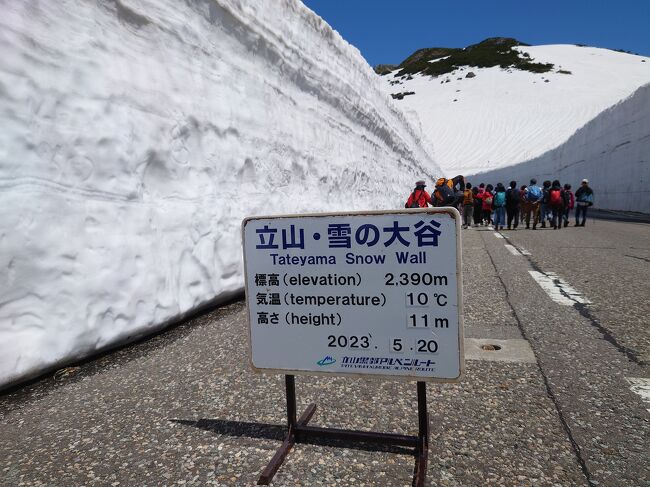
column 326, row 361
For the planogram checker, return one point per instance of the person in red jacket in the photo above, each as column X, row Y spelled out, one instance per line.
column 556, row 203
column 419, row 198
column 487, row 198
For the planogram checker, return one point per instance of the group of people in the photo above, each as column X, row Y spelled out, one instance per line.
column 500, row 207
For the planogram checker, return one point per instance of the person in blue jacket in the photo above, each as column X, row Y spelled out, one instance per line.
column 584, row 199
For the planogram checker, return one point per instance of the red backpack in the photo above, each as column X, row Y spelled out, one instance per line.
column 555, row 197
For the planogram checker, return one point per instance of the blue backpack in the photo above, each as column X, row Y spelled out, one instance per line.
column 500, row 199
column 534, row 193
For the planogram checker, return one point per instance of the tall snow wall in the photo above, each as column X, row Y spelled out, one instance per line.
column 612, row 151
column 136, row 135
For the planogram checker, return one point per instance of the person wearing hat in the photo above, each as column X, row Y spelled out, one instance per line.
column 584, row 199
column 419, row 198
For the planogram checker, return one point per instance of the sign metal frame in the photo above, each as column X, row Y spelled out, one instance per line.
column 298, row 430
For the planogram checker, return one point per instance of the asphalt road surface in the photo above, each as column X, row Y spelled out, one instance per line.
column 562, row 403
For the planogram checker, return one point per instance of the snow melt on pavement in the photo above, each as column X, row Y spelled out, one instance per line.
column 138, row 134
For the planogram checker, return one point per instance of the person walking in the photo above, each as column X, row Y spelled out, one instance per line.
column 584, row 199
column 545, row 207
column 468, row 205
column 513, row 203
column 569, row 203
column 419, row 198
column 488, row 196
column 532, row 200
column 499, row 205
column 522, row 206
column 449, row 192
column 478, row 206
column 556, row 204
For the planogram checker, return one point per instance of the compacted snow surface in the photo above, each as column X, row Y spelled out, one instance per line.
column 504, row 117
column 135, row 137
column 612, row 151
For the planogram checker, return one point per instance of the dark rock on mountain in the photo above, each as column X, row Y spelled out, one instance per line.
column 496, row 51
column 382, row 69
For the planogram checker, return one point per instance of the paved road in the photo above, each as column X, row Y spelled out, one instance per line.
column 183, row 408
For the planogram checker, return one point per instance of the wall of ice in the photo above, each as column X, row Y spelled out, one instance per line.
column 135, row 137
column 612, row 151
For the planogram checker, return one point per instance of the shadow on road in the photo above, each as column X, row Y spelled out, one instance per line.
column 276, row 432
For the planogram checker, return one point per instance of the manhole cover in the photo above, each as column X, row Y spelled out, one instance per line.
column 491, row 348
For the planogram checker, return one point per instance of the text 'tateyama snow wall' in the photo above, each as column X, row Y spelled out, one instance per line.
column 612, row 151
column 135, row 137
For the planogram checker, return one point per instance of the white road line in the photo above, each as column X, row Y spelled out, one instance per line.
column 558, row 289
column 512, row 249
column 523, row 251
column 498, row 235
column 640, row 386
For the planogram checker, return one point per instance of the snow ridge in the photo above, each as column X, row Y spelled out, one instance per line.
column 137, row 135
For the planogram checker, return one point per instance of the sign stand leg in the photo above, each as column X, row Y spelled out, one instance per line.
column 292, row 425
column 423, row 437
column 300, row 431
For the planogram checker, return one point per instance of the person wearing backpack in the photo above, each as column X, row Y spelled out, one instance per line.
column 448, row 192
column 468, row 205
column 584, row 199
column 532, row 200
column 556, row 204
column 545, row 208
column 569, row 203
column 513, row 201
column 488, row 197
column 499, row 205
column 419, row 198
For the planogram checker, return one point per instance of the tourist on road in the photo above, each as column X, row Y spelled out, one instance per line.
column 532, row 201
column 419, row 198
column 556, row 204
column 522, row 206
column 513, row 201
column 569, row 203
column 499, row 204
column 449, row 192
column 487, row 205
column 584, row 199
column 478, row 206
column 468, row 205
column 545, row 207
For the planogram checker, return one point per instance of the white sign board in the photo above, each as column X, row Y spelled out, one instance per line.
column 373, row 293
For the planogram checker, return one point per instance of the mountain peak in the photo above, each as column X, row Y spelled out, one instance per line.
column 494, row 51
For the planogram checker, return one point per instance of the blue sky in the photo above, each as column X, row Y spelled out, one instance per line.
column 386, row 32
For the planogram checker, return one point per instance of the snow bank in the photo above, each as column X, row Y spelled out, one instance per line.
column 137, row 134
column 502, row 117
column 612, row 151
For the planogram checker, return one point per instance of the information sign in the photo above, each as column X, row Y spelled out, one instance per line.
column 372, row 293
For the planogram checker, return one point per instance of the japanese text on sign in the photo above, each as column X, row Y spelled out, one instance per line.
column 370, row 293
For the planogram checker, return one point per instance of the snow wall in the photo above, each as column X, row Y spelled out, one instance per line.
column 612, row 151
column 135, row 137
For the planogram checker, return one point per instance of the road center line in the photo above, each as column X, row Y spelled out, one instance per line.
column 498, row 235
column 558, row 289
column 512, row 249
